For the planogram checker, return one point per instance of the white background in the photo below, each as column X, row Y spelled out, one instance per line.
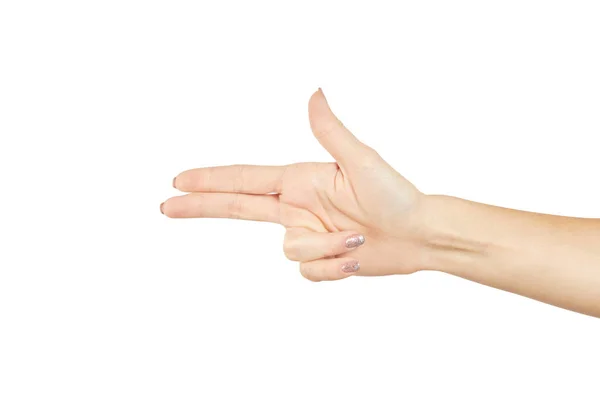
column 103, row 102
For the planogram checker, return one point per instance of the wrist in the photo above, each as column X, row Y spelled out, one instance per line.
column 452, row 235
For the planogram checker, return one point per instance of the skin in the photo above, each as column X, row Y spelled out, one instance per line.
column 548, row 258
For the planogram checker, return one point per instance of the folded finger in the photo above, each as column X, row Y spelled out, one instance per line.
column 330, row 269
column 223, row 205
column 302, row 245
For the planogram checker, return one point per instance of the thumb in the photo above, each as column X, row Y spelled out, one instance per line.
column 332, row 134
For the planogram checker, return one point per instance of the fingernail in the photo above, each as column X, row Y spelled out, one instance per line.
column 350, row 267
column 174, row 179
column 354, row 241
column 161, row 208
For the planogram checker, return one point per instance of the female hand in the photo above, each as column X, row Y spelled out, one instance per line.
column 358, row 216
column 355, row 216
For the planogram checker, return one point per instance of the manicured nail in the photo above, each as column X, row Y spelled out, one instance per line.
column 354, row 241
column 350, row 267
column 161, row 208
column 174, row 179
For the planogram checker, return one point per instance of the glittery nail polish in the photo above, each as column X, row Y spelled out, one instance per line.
column 350, row 267
column 354, row 241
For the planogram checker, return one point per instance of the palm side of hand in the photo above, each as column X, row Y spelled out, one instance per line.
column 320, row 204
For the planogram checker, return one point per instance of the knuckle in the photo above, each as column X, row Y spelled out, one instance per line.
column 327, row 128
column 238, row 181
column 234, row 207
column 289, row 250
column 307, row 275
column 205, row 180
column 370, row 159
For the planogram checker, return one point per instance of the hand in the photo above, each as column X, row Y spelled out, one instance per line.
column 356, row 216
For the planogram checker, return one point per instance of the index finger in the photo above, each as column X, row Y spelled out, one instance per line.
column 249, row 179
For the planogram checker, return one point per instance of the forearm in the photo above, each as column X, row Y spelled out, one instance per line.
column 549, row 258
